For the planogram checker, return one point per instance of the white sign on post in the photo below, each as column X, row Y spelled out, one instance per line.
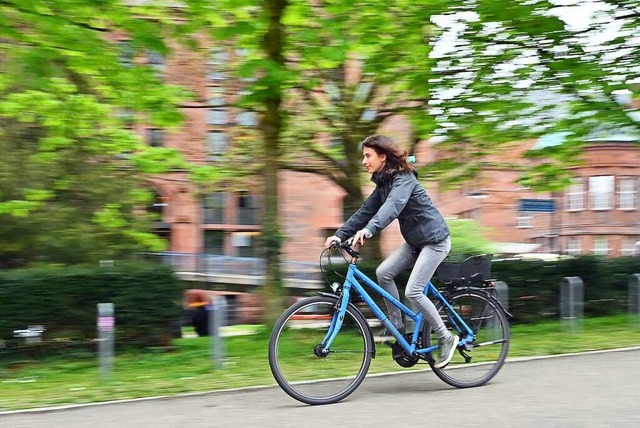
column 106, row 334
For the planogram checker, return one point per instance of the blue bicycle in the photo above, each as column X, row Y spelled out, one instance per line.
column 321, row 347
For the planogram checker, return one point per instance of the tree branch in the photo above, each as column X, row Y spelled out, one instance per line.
column 57, row 17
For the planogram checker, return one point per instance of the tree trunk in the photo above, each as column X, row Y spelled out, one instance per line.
column 271, row 125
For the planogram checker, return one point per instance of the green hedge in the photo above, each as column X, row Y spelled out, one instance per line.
column 534, row 286
column 147, row 297
column 147, row 300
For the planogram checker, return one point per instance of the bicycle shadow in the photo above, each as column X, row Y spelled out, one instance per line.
column 403, row 383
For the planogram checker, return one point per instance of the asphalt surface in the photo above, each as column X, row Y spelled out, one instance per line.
column 600, row 389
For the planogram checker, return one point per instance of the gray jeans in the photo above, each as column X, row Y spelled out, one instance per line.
column 424, row 262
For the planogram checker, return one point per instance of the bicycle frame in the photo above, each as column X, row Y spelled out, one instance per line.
column 351, row 282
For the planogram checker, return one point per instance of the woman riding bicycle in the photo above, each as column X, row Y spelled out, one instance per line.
column 399, row 195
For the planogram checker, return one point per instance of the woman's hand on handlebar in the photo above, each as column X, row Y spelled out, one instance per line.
column 348, row 246
column 361, row 236
column 332, row 240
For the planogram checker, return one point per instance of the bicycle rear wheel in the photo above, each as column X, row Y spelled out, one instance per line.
column 295, row 360
column 488, row 351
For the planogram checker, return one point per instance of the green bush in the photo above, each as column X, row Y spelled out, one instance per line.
column 534, row 286
column 147, row 300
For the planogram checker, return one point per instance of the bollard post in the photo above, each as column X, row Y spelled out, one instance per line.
column 571, row 302
column 106, row 336
column 502, row 294
column 217, row 315
column 634, row 298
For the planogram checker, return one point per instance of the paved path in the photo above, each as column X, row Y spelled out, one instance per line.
column 588, row 390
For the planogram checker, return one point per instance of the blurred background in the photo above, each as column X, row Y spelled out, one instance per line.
column 219, row 142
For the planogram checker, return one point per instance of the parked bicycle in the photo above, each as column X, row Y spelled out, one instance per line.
column 321, row 347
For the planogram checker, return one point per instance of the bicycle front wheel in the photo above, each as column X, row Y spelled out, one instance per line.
column 296, row 362
column 480, row 360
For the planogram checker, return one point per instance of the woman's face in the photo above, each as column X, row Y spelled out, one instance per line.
column 372, row 161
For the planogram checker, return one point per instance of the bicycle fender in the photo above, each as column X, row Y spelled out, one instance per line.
column 499, row 304
column 355, row 309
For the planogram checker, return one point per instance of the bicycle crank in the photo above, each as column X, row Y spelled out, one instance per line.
column 401, row 357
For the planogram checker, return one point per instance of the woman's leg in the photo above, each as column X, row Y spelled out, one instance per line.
column 402, row 258
column 429, row 259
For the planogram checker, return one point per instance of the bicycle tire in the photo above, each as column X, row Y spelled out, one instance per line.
column 299, row 371
column 488, row 352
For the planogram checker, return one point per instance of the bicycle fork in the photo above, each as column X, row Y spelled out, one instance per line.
column 322, row 350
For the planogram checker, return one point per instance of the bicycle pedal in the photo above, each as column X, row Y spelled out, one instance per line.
column 467, row 357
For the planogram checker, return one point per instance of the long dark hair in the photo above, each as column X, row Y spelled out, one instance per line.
column 396, row 158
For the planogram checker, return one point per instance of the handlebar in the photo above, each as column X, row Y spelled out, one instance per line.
column 345, row 246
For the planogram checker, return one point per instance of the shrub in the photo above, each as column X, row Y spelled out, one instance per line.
column 147, row 300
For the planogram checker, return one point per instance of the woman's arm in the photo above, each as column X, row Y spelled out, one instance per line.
column 360, row 218
column 401, row 190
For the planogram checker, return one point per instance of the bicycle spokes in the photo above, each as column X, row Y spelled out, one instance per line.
column 480, row 356
column 301, row 364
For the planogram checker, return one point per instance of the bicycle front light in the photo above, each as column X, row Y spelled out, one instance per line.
column 335, row 286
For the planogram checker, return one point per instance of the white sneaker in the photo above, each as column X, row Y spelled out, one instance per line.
column 446, row 350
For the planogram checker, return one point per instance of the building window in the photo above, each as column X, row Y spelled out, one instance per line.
column 629, row 246
column 627, row 193
column 217, row 116
column 524, row 220
column 155, row 137
column 214, row 242
column 216, row 96
column 363, row 91
column 217, row 64
column 601, row 190
column 575, row 195
column 601, row 246
column 368, row 115
column 247, row 209
column 213, row 208
column 245, row 243
column 573, row 245
column 216, row 144
column 125, row 57
column 157, row 61
column 247, row 118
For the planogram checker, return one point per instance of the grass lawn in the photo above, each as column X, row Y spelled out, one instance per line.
column 189, row 367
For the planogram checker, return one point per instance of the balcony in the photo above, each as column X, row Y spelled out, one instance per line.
column 238, row 272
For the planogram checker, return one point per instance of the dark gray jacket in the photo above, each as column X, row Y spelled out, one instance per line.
column 400, row 196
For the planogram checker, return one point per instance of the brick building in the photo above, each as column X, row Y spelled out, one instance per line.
column 598, row 214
